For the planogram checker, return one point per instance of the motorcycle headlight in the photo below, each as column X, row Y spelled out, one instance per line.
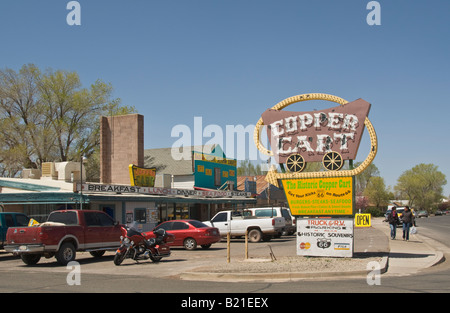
column 126, row 240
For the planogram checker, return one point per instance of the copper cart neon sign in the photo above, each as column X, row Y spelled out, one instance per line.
column 330, row 136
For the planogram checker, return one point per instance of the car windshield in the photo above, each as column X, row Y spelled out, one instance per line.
column 198, row 224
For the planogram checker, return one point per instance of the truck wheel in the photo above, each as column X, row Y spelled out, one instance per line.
column 30, row 259
column 97, row 254
column 255, row 235
column 190, row 244
column 66, row 253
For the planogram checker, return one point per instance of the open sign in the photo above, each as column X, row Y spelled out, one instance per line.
column 363, row 220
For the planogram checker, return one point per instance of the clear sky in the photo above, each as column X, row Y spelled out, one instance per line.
column 227, row 61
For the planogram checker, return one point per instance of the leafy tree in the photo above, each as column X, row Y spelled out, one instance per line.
column 23, row 130
column 376, row 191
column 50, row 116
column 247, row 168
column 363, row 178
column 422, row 185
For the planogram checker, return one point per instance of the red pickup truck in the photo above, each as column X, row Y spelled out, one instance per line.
column 64, row 233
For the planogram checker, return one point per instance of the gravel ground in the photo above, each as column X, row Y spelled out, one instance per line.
column 291, row 264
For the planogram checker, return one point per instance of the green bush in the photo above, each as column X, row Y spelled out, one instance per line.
column 376, row 212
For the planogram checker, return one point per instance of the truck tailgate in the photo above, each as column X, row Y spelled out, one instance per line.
column 279, row 222
column 23, row 235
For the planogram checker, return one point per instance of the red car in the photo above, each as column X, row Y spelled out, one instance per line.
column 189, row 233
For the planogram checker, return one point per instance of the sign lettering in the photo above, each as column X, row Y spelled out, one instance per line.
column 363, row 220
column 142, row 177
column 320, row 196
column 312, row 134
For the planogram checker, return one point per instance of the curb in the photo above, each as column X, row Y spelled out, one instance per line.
column 277, row 277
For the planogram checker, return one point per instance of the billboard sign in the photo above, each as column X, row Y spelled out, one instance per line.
column 320, row 196
column 142, row 177
column 313, row 134
column 325, row 237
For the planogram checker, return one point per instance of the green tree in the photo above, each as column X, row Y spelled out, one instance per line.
column 376, row 191
column 362, row 179
column 50, row 117
column 422, row 185
column 23, row 130
column 247, row 168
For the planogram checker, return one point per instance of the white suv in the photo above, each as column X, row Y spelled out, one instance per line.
column 288, row 229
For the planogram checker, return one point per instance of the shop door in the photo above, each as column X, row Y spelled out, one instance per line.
column 109, row 209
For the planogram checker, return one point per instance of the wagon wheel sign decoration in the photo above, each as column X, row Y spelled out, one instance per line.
column 330, row 136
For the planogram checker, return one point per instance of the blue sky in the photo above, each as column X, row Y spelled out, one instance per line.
column 229, row 60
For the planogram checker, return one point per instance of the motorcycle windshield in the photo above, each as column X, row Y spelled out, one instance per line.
column 133, row 229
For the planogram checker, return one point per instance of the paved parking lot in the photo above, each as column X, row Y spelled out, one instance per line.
column 367, row 240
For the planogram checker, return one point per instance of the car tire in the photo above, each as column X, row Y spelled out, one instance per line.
column 30, row 259
column 254, row 235
column 190, row 244
column 97, row 254
column 66, row 253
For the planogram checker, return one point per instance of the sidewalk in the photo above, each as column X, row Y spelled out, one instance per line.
column 409, row 257
column 403, row 258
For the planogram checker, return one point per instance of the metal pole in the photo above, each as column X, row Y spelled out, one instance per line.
column 82, row 159
column 81, row 183
column 246, row 244
column 228, row 247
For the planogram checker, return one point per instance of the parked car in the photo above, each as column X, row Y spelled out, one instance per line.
column 422, row 214
column 438, row 212
column 8, row 220
column 399, row 212
column 64, row 233
column 258, row 228
column 189, row 233
column 289, row 228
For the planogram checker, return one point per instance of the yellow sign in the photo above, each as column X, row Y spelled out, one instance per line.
column 320, row 196
column 33, row 222
column 363, row 220
column 142, row 177
column 197, row 156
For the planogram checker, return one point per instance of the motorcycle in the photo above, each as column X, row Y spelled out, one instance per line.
column 137, row 246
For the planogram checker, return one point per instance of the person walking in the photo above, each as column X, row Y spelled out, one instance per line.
column 408, row 220
column 393, row 222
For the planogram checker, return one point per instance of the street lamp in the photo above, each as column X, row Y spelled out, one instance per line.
column 83, row 159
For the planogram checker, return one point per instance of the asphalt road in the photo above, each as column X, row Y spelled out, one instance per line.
column 103, row 276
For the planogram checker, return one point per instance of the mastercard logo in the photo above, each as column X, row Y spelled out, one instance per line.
column 305, row 245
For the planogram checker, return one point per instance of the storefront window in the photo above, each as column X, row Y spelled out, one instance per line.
column 162, row 207
column 182, row 211
column 140, row 215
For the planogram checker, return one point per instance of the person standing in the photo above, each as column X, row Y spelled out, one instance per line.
column 408, row 220
column 393, row 222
